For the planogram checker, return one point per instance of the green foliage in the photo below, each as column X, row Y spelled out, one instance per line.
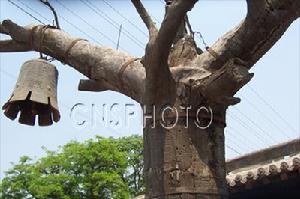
column 133, row 146
column 100, row 168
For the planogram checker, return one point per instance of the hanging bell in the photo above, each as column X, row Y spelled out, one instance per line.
column 34, row 94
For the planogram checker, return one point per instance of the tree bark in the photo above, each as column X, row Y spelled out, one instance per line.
column 185, row 162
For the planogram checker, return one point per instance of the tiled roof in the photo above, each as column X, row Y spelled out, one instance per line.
column 273, row 164
column 264, row 173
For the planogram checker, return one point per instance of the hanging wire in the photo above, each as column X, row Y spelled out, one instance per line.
column 39, row 14
column 272, row 108
column 79, row 29
column 47, row 3
column 35, row 18
column 267, row 118
column 253, row 131
column 233, row 149
column 202, row 39
column 237, row 144
column 20, row 8
column 257, row 126
column 64, row 19
column 112, row 22
column 121, row 15
column 87, row 23
column 239, row 139
column 250, row 143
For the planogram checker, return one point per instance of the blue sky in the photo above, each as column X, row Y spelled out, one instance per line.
column 267, row 115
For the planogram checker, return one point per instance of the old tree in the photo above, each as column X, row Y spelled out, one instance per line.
column 179, row 162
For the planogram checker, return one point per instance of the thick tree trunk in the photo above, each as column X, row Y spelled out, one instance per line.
column 185, row 163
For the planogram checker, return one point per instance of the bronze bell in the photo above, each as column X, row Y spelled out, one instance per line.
column 34, row 94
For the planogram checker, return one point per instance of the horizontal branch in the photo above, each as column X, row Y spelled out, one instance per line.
column 95, row 62
column 13, row 46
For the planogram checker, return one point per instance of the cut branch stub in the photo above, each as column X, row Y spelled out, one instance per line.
column 95, row 85
column 221, row 86
column 35, row 94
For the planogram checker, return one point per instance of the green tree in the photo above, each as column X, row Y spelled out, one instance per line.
column 100, row 168
column 133, row 146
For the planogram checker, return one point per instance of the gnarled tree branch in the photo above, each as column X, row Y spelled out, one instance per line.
column 265, row 23
column 96, row 62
